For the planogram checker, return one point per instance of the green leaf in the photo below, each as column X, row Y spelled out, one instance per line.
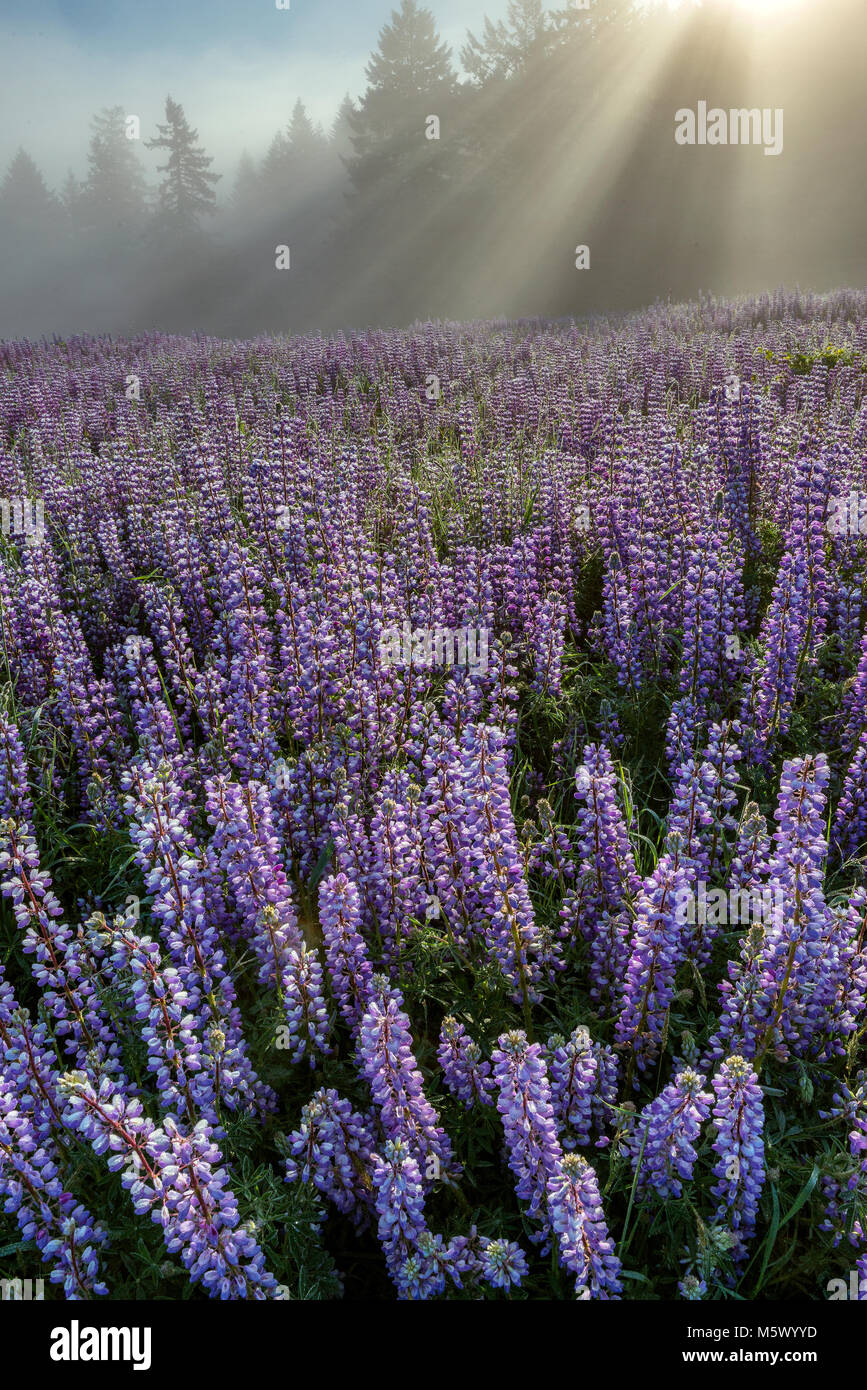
column 771, row 1236
column 321, row 865
column 804, row 1195
column 777, row 1223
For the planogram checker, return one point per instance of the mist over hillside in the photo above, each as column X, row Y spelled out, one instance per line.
column 536, row 171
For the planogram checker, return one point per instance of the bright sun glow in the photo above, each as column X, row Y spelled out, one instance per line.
column 754, row 7
column 765, row 6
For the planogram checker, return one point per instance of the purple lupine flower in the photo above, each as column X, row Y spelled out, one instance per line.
column 61, row 966
column 63, row 1231
column 751, row 853
column 333, row 1149
column 552, row 852
column 796, row 617
column 153, row 721
column 844, row 1211
column 788, row 982
column 399, row 876
column 855, row 704
column 245, row 662
column 161, row 1005
column 549, row 643
column 303, row 795
column 174, row 870
column 620, row 625
column 846, row 940
column 692, row 1288
column 661, row 1142
column 473, row 846
column 584, row 1078
column 711, row 617
column 465, row 1073
column 504, row 1263
column 166, row 618
column 524, row 1104
column 399, row 1202
column 388, row 1064
column 682, row 733
column 90, row 711
column 304, row 1004
column 584, row 1245
column 606, row 879
column 495, row 860
column 657, row 949
column 346, row 953
column 16, row 802
column 31, row 1140
column 700, row 822
column 704, row 794
column 849, row 829
column 175, row 1178
column 354, row 853
column 246, row 847
column 447, row 838
column 740, row 1168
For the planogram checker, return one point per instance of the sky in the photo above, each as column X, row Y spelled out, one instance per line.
column 236, row 66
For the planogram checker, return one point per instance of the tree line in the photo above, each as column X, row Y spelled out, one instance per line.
column 451, row 190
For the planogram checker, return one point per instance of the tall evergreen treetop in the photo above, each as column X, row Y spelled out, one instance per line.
column 341, row 130
column 305, row 138
column 186, row 192
column 509, row 47
column 410, row 60
column 114, row 190
column 410, row 76
column 25, row 199
column 247, row 185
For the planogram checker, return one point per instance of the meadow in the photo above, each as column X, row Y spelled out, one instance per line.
column 433, row 781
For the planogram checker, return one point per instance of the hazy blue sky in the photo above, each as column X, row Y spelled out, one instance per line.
column 236, row 65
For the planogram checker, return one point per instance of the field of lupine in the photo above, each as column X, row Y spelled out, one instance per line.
column 336, row 963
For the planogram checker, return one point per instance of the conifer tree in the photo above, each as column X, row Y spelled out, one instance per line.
column 410, row 76
column 114, row 195
column 186, row 193
column 509, row 47
column 26, row 204
column 247, row 185
column 341, row 130
column 306, row 140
